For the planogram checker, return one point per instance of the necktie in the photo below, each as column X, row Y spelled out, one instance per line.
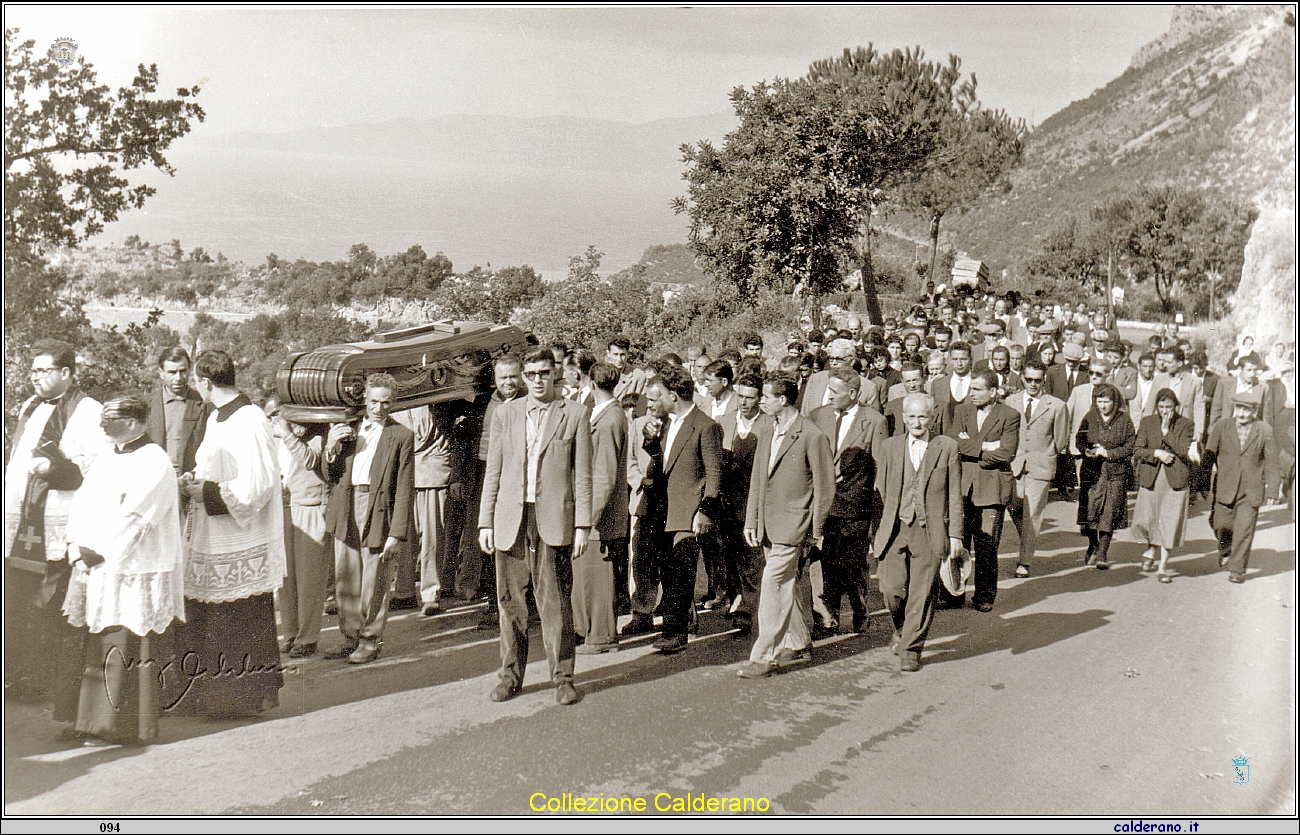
column 839, row 420
column 1029, row 409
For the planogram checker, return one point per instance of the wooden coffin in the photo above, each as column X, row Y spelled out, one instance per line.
column 445, row 360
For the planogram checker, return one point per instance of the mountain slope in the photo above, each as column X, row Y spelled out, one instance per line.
column 1210, row 104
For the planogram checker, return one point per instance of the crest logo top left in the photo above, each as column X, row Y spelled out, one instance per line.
column 65, row 51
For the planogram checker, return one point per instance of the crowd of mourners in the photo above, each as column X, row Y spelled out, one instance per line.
column 171, row 551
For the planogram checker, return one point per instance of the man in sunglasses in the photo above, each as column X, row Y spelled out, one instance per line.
column 1044, row 434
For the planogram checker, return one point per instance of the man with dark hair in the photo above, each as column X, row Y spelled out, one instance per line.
column 1198, row 363
column 1149, row 383
column 372, row 468
column 854, row 432
column 535, row 514
column 1044, row 435
column 476, row 567
column 744, row 564
column 438, row 465
column 987, row 434
column 177, row 415
column 951, row 390
column 751, row 345
column 913, row 382
column 235, row 561
column 124, row 538
column 791, row 490
column 631, row 380
column 682, row 487
column 1248, row 385
column 719, row 401
column 598, row 569
column 56, row 441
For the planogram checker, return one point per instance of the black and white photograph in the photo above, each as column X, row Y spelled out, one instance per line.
column 630, row 412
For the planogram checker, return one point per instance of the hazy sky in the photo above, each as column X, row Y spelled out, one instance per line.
column 279, row 70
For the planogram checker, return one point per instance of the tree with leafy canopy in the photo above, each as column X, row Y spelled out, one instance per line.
column 788, row 198
column 66, row 139
column 1169, row 236
column 977, row 148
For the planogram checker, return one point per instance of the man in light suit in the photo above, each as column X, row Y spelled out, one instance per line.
column 791, row 491
column 535, row 513
column 1044, row 434
column 682, row 489
column 839, row 353
column 1149, row 383
column 372, row 468
column 921, row 523
column 854, row 431
column 177, row 414
column 987, row 434
column 594, row 619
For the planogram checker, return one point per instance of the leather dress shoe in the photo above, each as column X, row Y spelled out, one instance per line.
column 365, row 652
column 984, row 606
column 398, row 604
column 1223, row 562
column 908, row 665
column 566, row 693
column 638, row 625
column 287, row 646
column 860, row 624
column 341, row 652
column 1022, row 570
column 755, row 669
column 793, row 656
column 1234, row 577
column 431, row 609
column 668, row 646
column 302, row 650
column 595, row 649
column 744, row 628
column 331, row 606
column 504, row 692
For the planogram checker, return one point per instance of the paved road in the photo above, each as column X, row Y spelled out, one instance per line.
column 1083, row 692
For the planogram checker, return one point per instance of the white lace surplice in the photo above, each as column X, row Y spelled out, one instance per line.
column 241, row 553
column 126, row 510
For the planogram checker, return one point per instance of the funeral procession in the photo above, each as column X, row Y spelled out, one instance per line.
column 785, row 424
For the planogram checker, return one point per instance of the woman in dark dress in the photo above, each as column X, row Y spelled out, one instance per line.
column 1106, row 438
column 1163, row 469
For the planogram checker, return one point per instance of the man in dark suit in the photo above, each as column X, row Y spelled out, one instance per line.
column 740, row 431
column 1063, row 377
column 987, row 434
column 372, row 468
column 921, row 523
column 177, row 414
column 594, row 618
column 854, row 432
column 683, row 488
column 952, row 389
column 535, row 514
column 791, row 490
column 1244, row 450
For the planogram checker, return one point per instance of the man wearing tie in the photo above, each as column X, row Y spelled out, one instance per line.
column 921, row 523
column 1044, row 434
column 1149, row 382
column 951, row 390
column 987, row 434
column 791, row 490
column 854, row 432
column 535, row 513
column 684, row 482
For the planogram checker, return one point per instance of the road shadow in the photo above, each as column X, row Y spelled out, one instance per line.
column 1024, row 633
